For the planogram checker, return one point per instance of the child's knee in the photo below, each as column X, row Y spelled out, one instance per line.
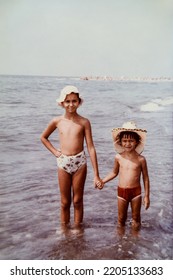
column 65, row 204
column 78, row 203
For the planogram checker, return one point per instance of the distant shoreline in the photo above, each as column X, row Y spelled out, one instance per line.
column 127, row 79
column 96, row 78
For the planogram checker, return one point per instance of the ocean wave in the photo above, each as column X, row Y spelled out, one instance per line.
column 156, row 104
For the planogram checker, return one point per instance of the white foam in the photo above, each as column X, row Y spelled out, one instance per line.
column 167, row 101
column 151, row 107
column 160, row 214
column 156, row 104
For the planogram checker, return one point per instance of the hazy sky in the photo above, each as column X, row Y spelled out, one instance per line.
column 86, row 37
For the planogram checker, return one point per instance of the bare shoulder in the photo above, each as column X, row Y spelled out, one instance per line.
column 142, row 159
column 56, row 120
column 118, row 157
column 84, row 121
column 53, row 124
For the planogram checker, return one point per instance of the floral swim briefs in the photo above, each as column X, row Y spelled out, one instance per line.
column 71, row 164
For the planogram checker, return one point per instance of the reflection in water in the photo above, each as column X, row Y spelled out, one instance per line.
column 88, row 242
column 134, row 231
column 69, row 230
column 70, row 243
column 103, row 241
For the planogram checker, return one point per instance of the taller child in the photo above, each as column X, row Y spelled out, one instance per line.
column 73, row 130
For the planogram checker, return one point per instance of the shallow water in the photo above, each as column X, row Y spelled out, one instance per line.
column 29, row 194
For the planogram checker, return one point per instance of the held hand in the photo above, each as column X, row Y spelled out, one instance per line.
column 58, row 153
column 146, row 202
column 99, row 184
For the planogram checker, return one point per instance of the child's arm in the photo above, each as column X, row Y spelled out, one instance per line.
column 45, row 135
column 92, row 151
column 113, row 173
column 110, row 176
column 146, row 181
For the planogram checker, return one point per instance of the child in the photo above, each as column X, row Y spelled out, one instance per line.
column 73, row 129
column 129, row 164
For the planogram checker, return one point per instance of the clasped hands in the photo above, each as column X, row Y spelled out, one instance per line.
column 98, row 183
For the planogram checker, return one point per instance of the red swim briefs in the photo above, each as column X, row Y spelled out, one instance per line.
column 129, row 194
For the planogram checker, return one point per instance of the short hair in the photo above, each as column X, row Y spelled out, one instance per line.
column 77, row 96
column 132, row 135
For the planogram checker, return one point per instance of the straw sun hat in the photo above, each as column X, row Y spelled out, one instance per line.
column 65, row 91
column 129, row 126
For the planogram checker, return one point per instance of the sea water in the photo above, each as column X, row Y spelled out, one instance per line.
column 29, row 194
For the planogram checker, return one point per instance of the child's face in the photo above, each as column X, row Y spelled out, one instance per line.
column 71, row 102
column 128, row 143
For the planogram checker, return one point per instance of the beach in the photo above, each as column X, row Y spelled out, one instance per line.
column 29, row 193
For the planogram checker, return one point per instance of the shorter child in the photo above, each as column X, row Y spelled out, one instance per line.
column 129, row 164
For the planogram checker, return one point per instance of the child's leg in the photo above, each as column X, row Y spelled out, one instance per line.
column 122, row 211
column 65, row 181
column 136, row 212
column 78, row 182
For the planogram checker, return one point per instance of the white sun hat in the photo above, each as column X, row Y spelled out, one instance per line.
column 67, row 90
column 129, row 126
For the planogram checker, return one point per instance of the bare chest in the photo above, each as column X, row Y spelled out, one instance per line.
column 130, row 165
column 70, row 129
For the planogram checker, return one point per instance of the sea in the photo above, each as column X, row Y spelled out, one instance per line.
column 30, row 227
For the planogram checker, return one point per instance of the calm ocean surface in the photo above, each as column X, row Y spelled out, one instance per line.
column 29, row 194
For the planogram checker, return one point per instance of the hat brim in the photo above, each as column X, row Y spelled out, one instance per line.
column 116, row 139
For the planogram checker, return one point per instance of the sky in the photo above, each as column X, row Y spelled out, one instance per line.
column 82, row 38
